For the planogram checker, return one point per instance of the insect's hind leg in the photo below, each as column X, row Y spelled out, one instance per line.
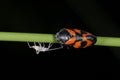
column 61, row 46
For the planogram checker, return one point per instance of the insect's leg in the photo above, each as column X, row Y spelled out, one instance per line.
column 61, row 46
column 35, row 44
column 29, row 45
column 50, row 45
column 39, row 44
column 43, row 45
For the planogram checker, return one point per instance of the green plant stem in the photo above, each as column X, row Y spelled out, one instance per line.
column 27, row 37
column 35, row 37
column 108, row 41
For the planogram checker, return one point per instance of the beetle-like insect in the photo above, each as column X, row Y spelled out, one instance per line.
column 76, row 38
column 70, row 37
column 40, row 47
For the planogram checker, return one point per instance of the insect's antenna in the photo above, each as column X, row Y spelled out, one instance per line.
column 29, row 45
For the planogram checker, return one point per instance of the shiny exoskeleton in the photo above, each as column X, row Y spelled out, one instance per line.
column 76, row 38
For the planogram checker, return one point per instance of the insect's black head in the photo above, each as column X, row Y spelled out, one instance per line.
column 62, row 36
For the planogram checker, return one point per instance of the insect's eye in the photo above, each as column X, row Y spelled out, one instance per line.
column 64, row 37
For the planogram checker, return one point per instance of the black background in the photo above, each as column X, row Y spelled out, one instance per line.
column 100, row 17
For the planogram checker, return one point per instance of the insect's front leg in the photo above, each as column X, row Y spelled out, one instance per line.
column 29, row 45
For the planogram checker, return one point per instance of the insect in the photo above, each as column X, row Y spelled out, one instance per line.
column 40, row 47
column 75, row 37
